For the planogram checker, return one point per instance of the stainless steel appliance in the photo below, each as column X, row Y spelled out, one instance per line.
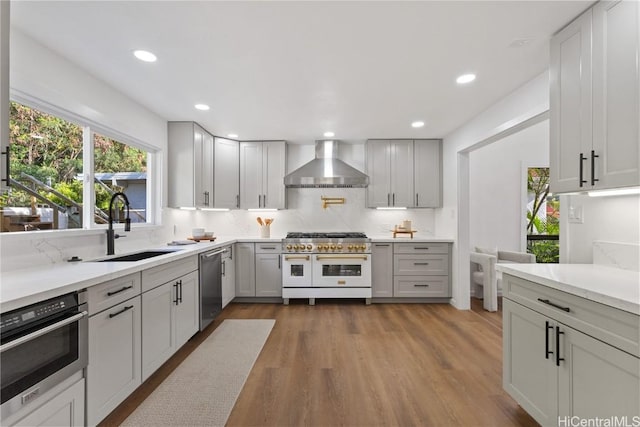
column 210, row 286
column 41, row 345
column 326, row 265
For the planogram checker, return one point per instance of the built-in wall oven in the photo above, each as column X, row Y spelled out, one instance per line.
column 41, row 345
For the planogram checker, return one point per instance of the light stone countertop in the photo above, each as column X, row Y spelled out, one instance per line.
column 22, row 287
column 388, row 238
column 606, row 285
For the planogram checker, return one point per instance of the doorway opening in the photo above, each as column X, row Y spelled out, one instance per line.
column 543, row 217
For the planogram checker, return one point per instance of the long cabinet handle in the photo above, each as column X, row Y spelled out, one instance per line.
column 393, row 199
column 259, row 201
column 582, row 159
column 127, row 308
column 180, row 286
column 279, row 263
column 119, row 290
column 422, row 248
column 420, row 263
column 417, row 285
column 547, row 352
column 594, row 156
column 417, row 202
column 558, row 358
column 302, row 257
column 238, row 201
column 381, row 245
column 321, row 257
column 7, row 164
column 175, row 286
column 264, row 200
column 224, row 268
column 546, row 301
column 388, row 199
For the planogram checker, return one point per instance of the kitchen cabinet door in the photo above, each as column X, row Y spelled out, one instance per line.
column 187, row 309
column 382, row 270
column 268, row 275
column 113, row 372
column 158, row 333
column 378, row 168
column 226, row 193
column 616, row 94
column 274, row 161
column 596, row 379
column 4, row 93
column 401, row 173
column 228, row 278
column 190, row 165
column 66, row 409
column 571, row 138
column 427, row 168
column 250, row 175
column 245, row 270
column 529, row 372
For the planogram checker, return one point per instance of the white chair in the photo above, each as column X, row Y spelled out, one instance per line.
column 483, row 272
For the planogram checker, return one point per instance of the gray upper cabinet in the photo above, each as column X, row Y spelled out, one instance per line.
column 226, row 180
column 389, row 165
column 427, row 168
column 404, row 173
column 263, row 165
column 595, row 100
column 191, row 152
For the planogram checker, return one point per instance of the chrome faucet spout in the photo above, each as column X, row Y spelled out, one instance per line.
column 111, row 236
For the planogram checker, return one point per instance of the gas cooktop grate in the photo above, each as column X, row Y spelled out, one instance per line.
column 328, row 235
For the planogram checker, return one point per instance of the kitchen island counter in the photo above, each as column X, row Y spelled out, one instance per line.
column 609, row 286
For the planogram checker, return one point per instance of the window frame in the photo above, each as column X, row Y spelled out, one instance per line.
column 90, row 127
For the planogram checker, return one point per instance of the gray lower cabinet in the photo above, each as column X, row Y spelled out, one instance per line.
column 422, row 270
column 113, row 372
column 268, row 270
column 382, row 270
column 65, row 409
column 246, row 270
column 555, row 369
column 170, row 311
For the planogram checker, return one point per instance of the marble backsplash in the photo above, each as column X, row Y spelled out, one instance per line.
column 618, row 255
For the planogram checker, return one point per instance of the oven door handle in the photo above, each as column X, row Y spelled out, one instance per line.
column 42, row 331
column 302, row 257
column 320, row 257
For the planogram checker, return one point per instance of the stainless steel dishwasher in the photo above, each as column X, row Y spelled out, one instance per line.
column 210, row 286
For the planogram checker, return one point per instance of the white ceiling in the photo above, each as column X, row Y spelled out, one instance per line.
column 293, row 70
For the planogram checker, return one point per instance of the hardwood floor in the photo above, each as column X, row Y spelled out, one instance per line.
column 345, row 363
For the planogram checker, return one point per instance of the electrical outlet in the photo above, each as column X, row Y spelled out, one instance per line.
column 576, row 215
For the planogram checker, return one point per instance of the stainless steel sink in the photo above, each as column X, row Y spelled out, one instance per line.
column 137, row 256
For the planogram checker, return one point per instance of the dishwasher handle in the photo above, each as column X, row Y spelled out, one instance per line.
column 214, row 253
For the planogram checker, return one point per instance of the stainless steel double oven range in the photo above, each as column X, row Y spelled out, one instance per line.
column 41, row 345
column 326, row 265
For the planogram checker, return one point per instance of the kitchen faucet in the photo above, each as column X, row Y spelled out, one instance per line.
column 111, row 236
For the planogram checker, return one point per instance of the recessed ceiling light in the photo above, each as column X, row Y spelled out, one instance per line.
column 232, row 135
column 417, row 124
column 202, row 107
column 465, row 78
column 329, row 134
column 145, row 56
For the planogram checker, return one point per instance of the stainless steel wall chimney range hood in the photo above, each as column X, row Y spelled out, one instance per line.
column 326, row 171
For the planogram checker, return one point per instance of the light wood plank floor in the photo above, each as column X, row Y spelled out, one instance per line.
column 344, row 363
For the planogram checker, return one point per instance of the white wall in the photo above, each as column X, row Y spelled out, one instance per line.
column 612, row 219
column 528, row 101
column 38, row 73
column 497, row 178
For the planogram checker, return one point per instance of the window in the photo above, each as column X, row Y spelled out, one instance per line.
column 543, row 217
column 46, row 170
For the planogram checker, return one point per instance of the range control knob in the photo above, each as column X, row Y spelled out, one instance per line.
column 363, row 247
column 350, row 247
column 333, row 247
column 309, row 247
column 339, row 247
column 295, row 247
column 288, row 247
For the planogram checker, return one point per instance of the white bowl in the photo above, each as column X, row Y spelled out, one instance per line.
column 197, row 232
column 208, row 234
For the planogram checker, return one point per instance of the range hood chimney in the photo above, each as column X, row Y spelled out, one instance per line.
column 326, row 171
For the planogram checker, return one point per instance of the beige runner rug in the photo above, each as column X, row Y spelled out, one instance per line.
column 204, row 388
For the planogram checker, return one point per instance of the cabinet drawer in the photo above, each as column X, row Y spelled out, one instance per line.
column 421, row 248
column 421, row 286
column 618, row 328
column 416, row 265
column 161, row 274
column 108, row 294
column 268, row 248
